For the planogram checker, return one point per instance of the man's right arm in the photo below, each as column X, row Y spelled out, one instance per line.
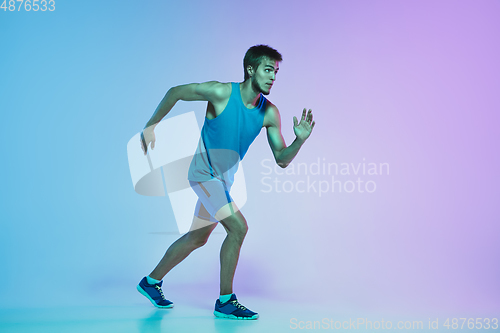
column 213, row 91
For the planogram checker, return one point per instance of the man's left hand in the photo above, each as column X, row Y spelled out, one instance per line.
column 304, row 128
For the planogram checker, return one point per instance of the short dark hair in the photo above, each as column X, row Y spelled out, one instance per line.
column 256, row 53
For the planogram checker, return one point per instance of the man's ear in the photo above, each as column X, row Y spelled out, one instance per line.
column 250, row 70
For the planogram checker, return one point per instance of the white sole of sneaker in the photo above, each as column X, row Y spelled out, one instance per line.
column 139, row 289
column 229, row 316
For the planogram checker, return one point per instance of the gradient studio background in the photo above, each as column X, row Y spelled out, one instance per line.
column 413, row 84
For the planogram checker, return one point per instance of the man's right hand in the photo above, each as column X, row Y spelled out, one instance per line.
column 147, row 136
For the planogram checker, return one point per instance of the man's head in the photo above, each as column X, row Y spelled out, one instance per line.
column 261, row 63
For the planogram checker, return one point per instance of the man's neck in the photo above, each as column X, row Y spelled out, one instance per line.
column 249, row 96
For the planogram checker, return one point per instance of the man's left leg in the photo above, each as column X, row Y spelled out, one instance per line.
column 236, row 227
column 227, row 306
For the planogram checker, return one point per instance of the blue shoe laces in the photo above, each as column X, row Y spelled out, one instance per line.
column 160, row 291
column 238, row 305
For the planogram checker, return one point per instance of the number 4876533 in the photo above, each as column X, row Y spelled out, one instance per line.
column 28, row 5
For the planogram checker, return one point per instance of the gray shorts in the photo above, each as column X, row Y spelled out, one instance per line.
column 212, row 196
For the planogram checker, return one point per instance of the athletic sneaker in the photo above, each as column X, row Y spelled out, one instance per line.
column 233, row 309
column 154, row 293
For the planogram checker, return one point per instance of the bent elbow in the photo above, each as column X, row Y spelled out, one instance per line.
column 174, row 93
column 281, row 164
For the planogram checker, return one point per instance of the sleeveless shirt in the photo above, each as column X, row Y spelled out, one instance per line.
column 225, row 139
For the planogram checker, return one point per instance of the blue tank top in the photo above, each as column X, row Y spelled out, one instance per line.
column 225, row 139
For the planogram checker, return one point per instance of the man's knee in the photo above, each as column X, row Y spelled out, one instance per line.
column 236, row 225
column 200, row 242
column 241, row 231
column 198, row 238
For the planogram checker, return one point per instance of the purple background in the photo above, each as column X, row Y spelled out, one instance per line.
column 414, row 84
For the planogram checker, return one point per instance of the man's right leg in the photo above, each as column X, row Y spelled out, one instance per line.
column 182, row 247
column 150, row 286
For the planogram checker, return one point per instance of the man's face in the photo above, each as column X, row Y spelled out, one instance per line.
column 265, row 75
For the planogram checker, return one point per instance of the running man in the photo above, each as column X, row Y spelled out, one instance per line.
column 236, row 113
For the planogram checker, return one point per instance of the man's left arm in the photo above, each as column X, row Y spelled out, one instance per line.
column 283, row 154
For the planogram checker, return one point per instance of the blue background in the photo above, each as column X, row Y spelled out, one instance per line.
column 413, row 84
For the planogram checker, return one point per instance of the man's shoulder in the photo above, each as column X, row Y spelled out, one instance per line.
column 221, row 90
column 271, row 115
column 217, row 90
column 271, row 109
column 218, row 85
